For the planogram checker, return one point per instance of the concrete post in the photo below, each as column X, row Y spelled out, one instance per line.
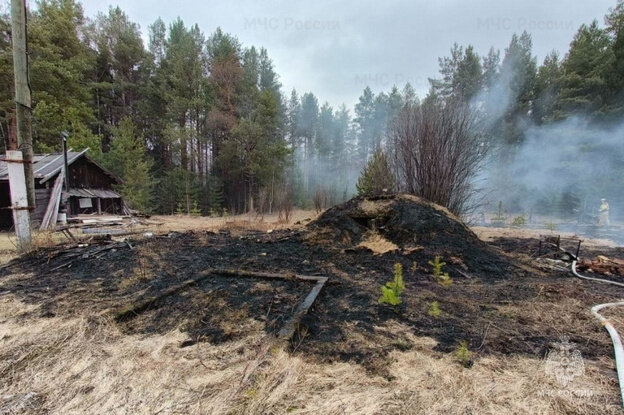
column 19, row 199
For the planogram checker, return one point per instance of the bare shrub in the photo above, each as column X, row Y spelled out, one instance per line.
column 320, row 200
column 263, row 202
column 439, row 151
column 284, row 204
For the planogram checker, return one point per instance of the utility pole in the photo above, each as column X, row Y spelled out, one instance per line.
column 23, row 101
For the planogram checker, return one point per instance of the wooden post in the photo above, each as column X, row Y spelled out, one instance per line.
column 99, row 205
column 19, row 201
column 23, row 104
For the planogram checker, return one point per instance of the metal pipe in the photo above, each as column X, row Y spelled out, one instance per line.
column 64, row 135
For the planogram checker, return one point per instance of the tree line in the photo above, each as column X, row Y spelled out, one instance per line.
column 200, row 123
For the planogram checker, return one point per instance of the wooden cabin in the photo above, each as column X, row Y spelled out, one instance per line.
column 91, row 187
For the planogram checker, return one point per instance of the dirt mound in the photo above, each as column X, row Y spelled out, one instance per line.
column 400, row 218
column 418, row 228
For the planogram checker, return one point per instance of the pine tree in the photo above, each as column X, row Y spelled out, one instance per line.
column 615, row 27
column 61, row 61
column 584, row 84
column 547, row 87
column 518, row 73
column 365, row 119
column 127, row 160
column 376, row 176
column 461, row 74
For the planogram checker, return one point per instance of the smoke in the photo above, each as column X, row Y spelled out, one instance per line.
column 334, row 177
column 561, row 169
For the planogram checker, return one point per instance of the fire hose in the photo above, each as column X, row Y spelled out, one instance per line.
column 615, row 338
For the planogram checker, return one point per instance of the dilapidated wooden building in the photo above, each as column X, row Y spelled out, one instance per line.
column 91, row 187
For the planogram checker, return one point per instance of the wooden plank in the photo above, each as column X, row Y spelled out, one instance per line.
column 53, row 203
column 267, row 275
column 136, row 309
column 57, row 205
column 285, row 333
column 292, row 324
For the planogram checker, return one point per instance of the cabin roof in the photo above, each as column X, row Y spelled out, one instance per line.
column 47, row 166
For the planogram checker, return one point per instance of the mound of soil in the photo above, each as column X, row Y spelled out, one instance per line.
column 403, row 219
column 409, row 222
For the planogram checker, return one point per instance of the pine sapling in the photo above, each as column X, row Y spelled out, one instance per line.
column 195, row 211
column 391, row 292
column 464, row 355
column 434, row 309
column 440, row 277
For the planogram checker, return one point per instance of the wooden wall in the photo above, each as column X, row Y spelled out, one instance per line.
column 6, row 216
column 84, row 174
column 42, row 197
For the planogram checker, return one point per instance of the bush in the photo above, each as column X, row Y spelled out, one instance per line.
column 518, row 221
column 320, row 200
column 551, row 226
column 284, row 203
column 376, row 176
column 391, row 292
column 440, row 148
column 195, row 210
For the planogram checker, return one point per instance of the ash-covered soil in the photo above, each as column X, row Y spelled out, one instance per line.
column 498, row 303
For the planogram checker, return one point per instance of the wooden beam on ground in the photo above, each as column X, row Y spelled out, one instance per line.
column 292, row 324
column 285, row 333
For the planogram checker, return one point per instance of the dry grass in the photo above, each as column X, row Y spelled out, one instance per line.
column 488, row 234
column 86, row 365
column 377, row 243
column 165, row 224
column 40, row 239
column 179, row 223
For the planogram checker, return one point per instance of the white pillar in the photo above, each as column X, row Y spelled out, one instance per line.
column 19, row 200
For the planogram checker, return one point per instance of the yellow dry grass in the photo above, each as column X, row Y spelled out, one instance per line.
column 176, row 223
column 488, row 234
column 377, row 243
column 86, row 365
column 181, row 223
column 40, row 239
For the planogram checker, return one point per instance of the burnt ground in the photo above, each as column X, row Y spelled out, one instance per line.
column 498, row 302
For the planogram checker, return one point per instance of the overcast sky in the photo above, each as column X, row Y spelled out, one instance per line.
column 336, row 49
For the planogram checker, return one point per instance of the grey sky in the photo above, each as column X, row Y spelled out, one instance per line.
column 336, row 49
